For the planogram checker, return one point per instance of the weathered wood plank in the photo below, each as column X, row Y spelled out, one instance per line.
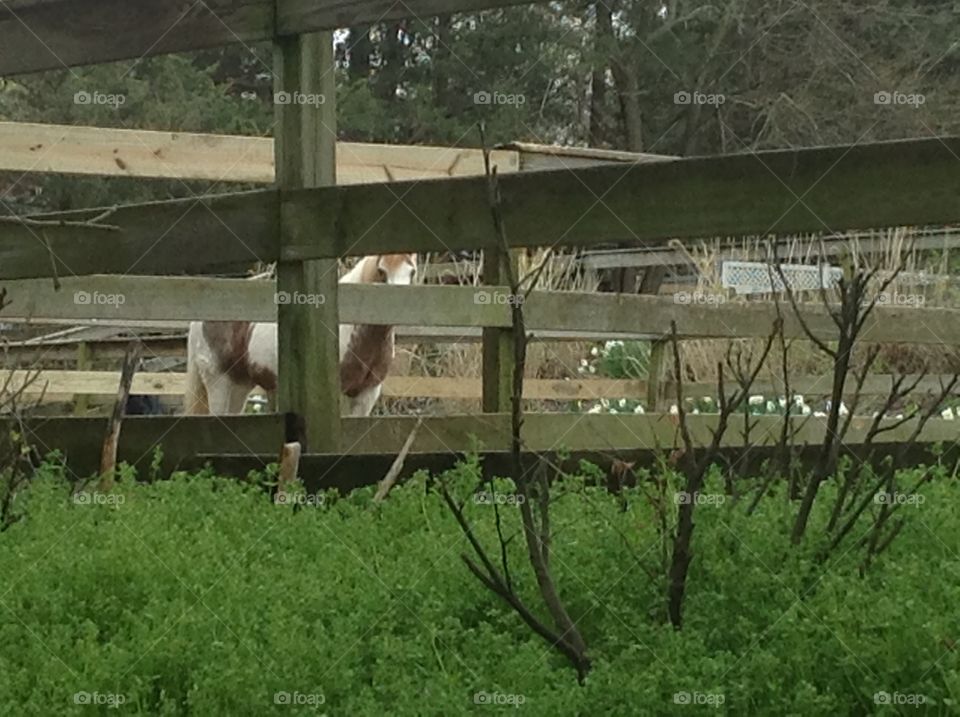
column 545, row 156
column 499, row 357
column 65, row 33
column 549, row 431
column 588, row 316
column 183, row 437
column 61, row 383
column 57, row 384
column 194, row 235
column 52, row 34
column 69, row 149
column 307, row 333
column 883, row 184
column 783, row 191
column 180, row 437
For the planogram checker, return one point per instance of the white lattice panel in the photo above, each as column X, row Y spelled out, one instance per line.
column 756, row 277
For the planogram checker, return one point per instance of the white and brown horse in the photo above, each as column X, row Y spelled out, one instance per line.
column 226, row 360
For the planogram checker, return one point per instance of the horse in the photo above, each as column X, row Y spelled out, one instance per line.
column 226, row 360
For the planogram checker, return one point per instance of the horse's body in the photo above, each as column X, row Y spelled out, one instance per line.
column 226, row 360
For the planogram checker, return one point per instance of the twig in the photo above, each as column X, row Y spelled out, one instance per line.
column 108, row 454
column 95, row 222
column 391, row 477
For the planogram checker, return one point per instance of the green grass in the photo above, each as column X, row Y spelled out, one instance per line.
column 199, row 596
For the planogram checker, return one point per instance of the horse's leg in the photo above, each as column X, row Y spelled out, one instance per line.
column 225, row 396
column 195, row 393
column 362, row 404
column 238, row 397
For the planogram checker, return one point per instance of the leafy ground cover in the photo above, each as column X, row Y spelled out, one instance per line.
column 199, row 595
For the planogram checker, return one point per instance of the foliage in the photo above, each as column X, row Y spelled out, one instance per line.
column 197, row 595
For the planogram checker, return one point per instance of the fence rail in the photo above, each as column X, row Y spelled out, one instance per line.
column 169, row 299
column 784, row 191
column 63, row 385
column 306, row 223
column 53, row 34
column 186, row 437
column 69, row 149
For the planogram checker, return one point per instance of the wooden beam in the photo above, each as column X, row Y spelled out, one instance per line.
column 182, row 438
column 53, row 34
column 574, row 432
column 57, row 385
column 194, row 235
column 499, row 358
column 308, row 333
column 785, row 191
column 589, row 316
column 544, row 156
column 69, row 149
column 776, row 192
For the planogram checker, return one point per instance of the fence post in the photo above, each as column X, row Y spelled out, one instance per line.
column 497, row 342
column 81, row 402
column 655, row 374
column 650, row 284
column 305, row 154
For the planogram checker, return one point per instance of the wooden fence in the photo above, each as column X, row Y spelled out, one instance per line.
column 309, row 220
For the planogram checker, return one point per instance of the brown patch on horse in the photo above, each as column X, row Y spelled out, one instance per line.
column 393, row 262
column 367, row 360
column 230, row 343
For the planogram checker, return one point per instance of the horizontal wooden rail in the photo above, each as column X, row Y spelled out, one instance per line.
column 69, row 149
column 196, row 235
column 784, row 191
column 59, row 385
column 181, row 437
column 53, row 34
column 575, row 432
column 174, row 299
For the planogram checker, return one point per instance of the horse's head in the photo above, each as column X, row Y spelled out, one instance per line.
column 396, row 268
